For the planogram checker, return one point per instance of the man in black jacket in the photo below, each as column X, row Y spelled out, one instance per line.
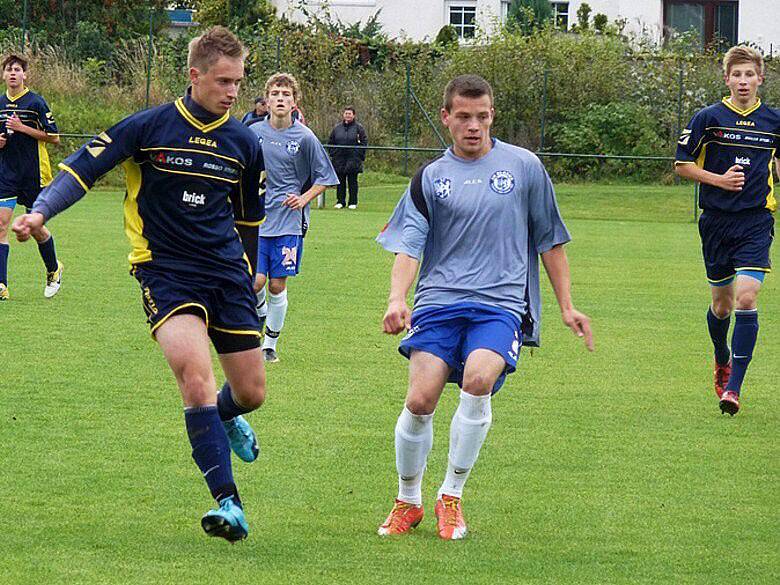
column 348, row 162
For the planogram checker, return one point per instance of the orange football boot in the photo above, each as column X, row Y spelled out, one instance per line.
column 403, row 517
column 729, row 403
column 722, row 375
column 449, row 518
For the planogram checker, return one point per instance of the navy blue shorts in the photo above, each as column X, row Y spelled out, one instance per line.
column 26, row 198
column 226, row 306
column 279, row 256
column 452, row 332
column 737, row 241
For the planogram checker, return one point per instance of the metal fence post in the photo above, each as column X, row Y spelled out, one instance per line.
column 278, row 53
column 543, row 120
column 407, row 113
column 149, row 59
column 680, row 89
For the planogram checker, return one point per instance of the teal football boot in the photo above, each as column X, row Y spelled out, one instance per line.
column 242, row 438
column 226, row 522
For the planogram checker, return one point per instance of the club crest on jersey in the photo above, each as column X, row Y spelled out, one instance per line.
column 293, row 147
column 502, row 182
column 442, row 188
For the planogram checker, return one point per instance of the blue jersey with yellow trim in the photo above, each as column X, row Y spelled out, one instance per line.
column 24, row 162
column 189, row 182
column 721, row 136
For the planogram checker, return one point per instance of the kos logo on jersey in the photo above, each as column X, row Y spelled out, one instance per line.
column 742, row 160
column 502, row 182
column 293, row 147
column 442, row 188
column 172, row 159
column 193, row 199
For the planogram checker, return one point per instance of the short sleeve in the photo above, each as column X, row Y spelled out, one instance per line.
column 545, row 224
column 691, row 140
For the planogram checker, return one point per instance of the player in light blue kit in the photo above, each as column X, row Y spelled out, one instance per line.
column 297, row 170
column 479, row 217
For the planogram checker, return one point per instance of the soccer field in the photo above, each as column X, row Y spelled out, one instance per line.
column 611, row 467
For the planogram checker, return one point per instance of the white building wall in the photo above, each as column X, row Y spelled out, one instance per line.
column 759, row 22
column 415, row 19
column 421, row 19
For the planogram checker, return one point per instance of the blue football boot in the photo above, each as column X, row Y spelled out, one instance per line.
column 242, row 438
column 227, row 521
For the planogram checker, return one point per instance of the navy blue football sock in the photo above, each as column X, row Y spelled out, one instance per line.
column 5, row 249
column 229, row 408
column 49, row 254
column 743, row 340
column 211, row 450
column 719, row 332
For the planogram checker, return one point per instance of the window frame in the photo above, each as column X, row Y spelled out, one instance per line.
column 710, row 7
column 461, row 28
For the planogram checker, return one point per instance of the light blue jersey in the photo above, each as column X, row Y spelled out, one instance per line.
column 479, row 227
column 294, row 160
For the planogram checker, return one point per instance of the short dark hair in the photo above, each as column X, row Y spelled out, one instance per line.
column 206, row 49
column 11, row 59
column 259, row 100
column 470, row 86
column 351, row 109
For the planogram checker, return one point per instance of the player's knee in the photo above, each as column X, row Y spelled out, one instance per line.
column 477, row 383
column 420, row 405
column 746, row 300
column 197, row 387
column 722, row 308
column 276, row 287
column 41, row 235
column 259, row 282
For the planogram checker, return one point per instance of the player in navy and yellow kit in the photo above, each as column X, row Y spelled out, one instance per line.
column 729, row 147
column 26, row 126
column 193, row 185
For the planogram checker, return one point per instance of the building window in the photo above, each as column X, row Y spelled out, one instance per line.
column 712, row 21
column 464, row 19
column 561, row 15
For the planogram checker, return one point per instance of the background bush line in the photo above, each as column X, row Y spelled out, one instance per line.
column 604, row 93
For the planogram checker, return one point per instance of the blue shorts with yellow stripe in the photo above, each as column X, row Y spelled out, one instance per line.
column 734, row 242
column 226, row 306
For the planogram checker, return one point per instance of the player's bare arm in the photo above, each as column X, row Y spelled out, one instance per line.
column 3, row 140
column 15, row 124
column 557, row 267
column 398, row 316
column 298, row 202
column 732, row 180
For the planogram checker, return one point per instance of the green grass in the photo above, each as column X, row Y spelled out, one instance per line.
column 611, row 467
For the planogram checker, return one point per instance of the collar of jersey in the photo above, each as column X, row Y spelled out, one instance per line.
column 202, row 126
column 734, row 108
column 16, row 97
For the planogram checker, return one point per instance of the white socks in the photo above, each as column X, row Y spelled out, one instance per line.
column 277, row 309
column 468, row 430
column 261, row 305
column 413, row 441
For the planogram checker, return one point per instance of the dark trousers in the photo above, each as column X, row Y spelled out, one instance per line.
column 345, row 180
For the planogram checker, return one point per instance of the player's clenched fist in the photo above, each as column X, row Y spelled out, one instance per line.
column 397, row 318
column 26, row 225
column 733, row 179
